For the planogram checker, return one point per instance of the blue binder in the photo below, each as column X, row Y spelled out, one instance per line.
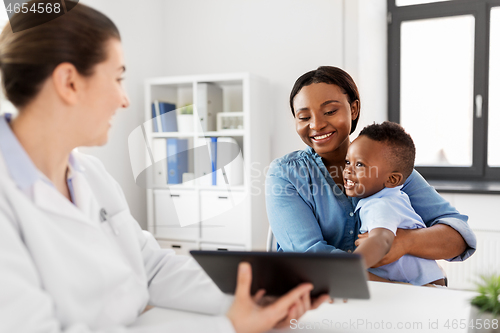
column 168, row 117
column 213, row 149
column 167, row 114
column 177, row 160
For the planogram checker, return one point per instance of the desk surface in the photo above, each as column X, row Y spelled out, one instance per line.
column 392, row 307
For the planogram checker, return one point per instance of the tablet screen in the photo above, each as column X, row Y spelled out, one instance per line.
column 338, row 274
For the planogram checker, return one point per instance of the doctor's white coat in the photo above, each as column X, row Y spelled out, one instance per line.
column 63, row 270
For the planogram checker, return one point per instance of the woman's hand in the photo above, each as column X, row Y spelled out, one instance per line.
column 254, row 314
column 398, row 249
column 439, row 241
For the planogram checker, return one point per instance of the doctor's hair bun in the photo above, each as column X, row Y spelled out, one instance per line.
column 28, row 57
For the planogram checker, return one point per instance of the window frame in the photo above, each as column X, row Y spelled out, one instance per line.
column 480, row 9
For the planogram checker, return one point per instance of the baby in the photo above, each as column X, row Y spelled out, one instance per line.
column 377, row 164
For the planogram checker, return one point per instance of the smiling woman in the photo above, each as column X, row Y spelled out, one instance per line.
column 72, row 256
column 307, row 207
column 63, row 77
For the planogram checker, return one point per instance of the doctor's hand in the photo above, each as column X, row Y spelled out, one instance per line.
column 398, row 249
column 254, row 314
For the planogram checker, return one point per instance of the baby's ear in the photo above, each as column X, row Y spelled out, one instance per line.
column 394, row 179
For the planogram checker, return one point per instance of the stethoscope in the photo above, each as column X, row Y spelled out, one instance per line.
column 104, row 217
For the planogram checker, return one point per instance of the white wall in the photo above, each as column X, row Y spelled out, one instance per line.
column 365, row 56
column 140, row 28
column 279, row 40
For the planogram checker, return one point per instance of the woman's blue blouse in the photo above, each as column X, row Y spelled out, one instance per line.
column 308, row 212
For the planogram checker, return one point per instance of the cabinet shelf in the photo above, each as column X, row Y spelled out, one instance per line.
column 174, row 186
column 237, row 188
column 235, row 133
column 238, row 132
column 172, row 134
column 198, row 215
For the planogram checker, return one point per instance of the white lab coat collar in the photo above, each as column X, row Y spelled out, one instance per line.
column 85, row 210
column 84, row 198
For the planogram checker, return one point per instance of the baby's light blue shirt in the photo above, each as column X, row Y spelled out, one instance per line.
column 391, row 209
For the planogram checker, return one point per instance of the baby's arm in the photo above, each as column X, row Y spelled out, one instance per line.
column 376, row 246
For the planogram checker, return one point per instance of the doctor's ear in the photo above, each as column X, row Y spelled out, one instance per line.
column 66, row 80
column 394, row 179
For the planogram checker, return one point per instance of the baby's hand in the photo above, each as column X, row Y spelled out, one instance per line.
column 361, row 239
column 398, row 248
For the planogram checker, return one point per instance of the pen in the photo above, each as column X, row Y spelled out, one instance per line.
column 104, row 217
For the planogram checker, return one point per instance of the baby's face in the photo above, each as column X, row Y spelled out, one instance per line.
column 367, row 167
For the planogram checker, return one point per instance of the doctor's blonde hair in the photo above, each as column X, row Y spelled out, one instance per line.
column 28, row 57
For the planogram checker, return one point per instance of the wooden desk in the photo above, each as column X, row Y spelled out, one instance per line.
column 391, row 308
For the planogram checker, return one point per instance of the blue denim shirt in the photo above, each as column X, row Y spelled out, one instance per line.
column 308, row 212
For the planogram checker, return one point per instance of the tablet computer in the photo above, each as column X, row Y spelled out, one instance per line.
column 341, row 275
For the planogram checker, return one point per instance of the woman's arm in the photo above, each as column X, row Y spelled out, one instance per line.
column 449, row 235
column 437, row 242
column 25, row 305
column 291, row 218
column 448, row 243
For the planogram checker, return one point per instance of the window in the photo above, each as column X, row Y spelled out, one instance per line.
column 444, row 70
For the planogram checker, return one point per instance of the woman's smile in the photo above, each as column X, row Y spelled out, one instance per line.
column 110, row 121
column 322, row 137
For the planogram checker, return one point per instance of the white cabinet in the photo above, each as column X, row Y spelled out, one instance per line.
column 203, row 211
column 221, row 247
column 224, row 217
column 178, row 246
column 176, row 214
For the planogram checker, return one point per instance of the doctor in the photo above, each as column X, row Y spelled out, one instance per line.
column 72, row 257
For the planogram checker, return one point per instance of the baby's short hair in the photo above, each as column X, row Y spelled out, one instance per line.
column 400, row 143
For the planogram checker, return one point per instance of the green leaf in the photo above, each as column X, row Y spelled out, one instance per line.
column 488, row 299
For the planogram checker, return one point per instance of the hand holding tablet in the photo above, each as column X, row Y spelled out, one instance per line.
column 248, row 314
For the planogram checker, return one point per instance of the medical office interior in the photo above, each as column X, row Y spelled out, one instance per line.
column 236, row 61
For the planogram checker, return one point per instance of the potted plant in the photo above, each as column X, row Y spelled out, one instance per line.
column 485, row 309
column 185, row 121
